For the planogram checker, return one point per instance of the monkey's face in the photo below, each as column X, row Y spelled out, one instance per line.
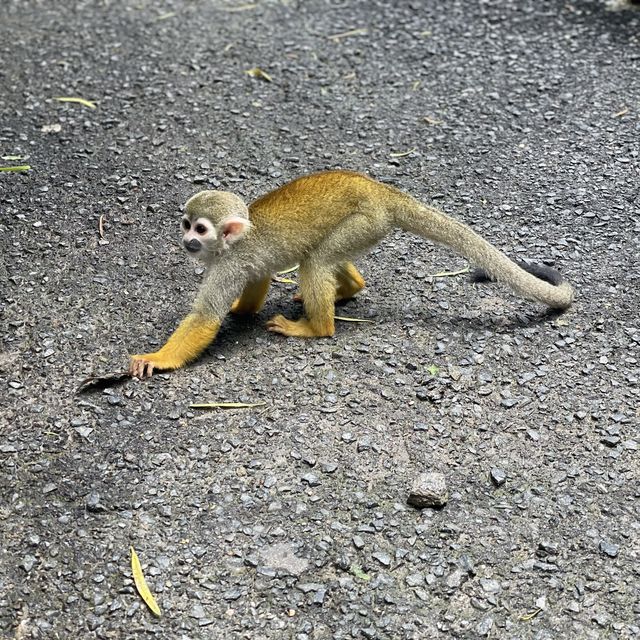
column 213, row 222
column 199, row 237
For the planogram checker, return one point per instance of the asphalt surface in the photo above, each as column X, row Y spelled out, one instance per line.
column 290, row 520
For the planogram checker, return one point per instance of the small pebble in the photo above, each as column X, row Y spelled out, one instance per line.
column 491, row 586
column 429, row 490
column 498, row 476
column 311, row 479
column 383, row 558
column 484, row 626
column 609, row 549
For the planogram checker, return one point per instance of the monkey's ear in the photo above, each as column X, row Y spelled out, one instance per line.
column 233, row 229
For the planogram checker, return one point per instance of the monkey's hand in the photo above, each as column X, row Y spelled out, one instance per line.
column 142, row 365
column 188, row 341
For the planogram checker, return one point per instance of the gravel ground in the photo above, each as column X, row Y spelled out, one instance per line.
column 291, row 520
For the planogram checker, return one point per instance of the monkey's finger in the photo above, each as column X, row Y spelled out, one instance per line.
column 142, row 366
column 137, row 368
column 149, row 369
column 274, row 325
column 132, row 367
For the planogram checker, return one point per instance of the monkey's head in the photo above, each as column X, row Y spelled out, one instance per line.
column 213, row 222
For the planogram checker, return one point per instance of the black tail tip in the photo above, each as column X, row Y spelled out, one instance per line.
column 541, row 271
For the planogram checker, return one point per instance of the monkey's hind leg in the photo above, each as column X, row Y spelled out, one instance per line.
column 348, row 282
column 318, row 289
column 252, row 298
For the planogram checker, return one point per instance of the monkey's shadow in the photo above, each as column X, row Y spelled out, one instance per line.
column 490, row 322
column 237, row 328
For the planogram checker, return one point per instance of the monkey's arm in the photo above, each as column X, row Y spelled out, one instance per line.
column 188, row 341
column 194, row 334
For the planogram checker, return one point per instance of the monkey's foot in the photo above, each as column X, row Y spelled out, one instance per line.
column 299, row 328
column 142, row 366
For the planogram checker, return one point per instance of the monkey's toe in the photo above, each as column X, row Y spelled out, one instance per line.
column 279, row 324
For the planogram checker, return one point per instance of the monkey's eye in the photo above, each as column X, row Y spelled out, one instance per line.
column 201, row 229
column 186, row 225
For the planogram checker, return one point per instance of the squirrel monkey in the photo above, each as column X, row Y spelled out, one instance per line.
column 321, row 222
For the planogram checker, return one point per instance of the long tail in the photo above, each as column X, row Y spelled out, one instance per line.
column 430, row 223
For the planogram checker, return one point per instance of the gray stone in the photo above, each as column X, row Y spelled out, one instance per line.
column 429, row 490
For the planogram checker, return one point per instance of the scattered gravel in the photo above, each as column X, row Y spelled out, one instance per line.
column 290, row 520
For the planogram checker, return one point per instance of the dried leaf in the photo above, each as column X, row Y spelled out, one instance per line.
column 447, row 274
column 257, row 72
column 101, row 226
column 621, row 113
column 227, row 405
column 102, row 382
column 402, row 154
column 166, row 16
column 141, row 584
column 348, row 319
column 283, row 280
column 362, row 31
column 432, row 121
column 14, row 157
column 82, row 101
column 281, row 273
column 21, row 167
column 530, row 616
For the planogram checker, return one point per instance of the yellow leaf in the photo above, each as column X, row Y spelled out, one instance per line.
column 402, row 154
column 446, row 274
column 226, row 405
column 21, row 167
column 284, row 280
column 530, row 616
column 257, row 72
column 141, row 584
column 348, row 319
column 82, row 101
column 362, row 31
